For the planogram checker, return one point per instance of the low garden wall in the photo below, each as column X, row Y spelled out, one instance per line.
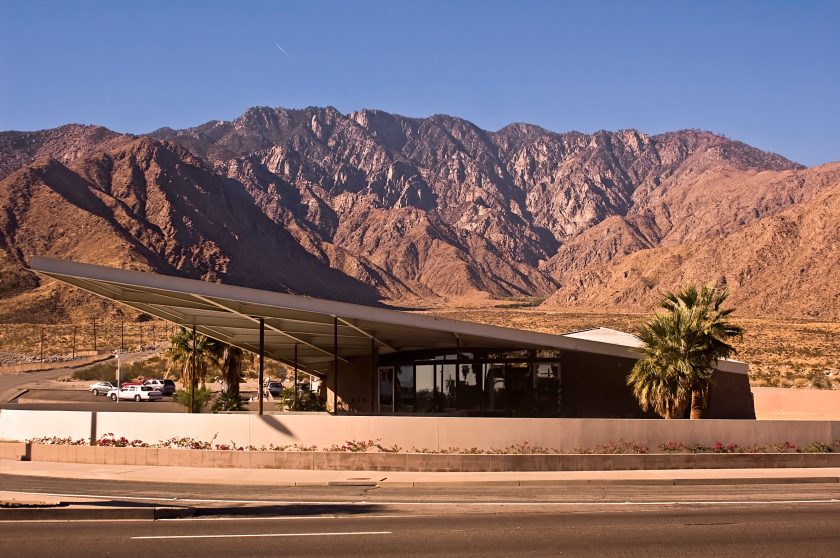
column 384, row 461
column 409, row 433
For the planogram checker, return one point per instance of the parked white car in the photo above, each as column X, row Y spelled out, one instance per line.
column 101, row 388
column 138, row 393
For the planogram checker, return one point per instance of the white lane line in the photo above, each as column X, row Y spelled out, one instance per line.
column 284, row 517
column 249, row 535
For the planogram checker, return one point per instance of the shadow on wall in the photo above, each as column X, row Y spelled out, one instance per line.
column 276, row 425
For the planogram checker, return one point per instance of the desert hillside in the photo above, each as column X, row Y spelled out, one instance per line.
column 371, row 206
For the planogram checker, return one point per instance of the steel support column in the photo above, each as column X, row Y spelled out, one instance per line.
column 262, row 361
column 296, row 379
column 335, row 365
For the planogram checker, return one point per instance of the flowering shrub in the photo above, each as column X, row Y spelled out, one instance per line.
column 783, row 447
column 121, row 442
column 56, row 441
column 720, row 447
column 524, row 448
column 616, row 448
column 818, row 447
column 680, row 447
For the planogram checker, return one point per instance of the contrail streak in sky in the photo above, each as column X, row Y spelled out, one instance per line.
column 283, row 51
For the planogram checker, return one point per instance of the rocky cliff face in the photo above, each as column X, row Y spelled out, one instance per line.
column 374, row 205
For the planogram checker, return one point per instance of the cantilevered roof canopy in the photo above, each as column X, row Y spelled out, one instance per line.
column 232, row 314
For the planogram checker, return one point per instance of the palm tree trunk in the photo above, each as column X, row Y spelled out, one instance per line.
column 698, row 404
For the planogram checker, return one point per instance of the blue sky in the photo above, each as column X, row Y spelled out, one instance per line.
column 764, row 72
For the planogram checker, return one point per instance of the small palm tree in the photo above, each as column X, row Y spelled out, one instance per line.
column 680, row 349
column 192, row 355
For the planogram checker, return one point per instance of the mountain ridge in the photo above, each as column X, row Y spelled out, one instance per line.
column 372, row 205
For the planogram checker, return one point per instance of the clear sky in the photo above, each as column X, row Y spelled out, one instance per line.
column 765, row 72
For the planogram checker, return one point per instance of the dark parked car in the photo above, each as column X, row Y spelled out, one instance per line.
column 274, row 388
column 168, row 387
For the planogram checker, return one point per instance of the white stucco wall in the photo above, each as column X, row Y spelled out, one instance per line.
column 431, row 433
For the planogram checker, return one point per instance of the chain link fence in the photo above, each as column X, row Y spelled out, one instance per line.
column 24, row 343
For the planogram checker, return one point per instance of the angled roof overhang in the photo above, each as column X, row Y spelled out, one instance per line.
column 232, row 314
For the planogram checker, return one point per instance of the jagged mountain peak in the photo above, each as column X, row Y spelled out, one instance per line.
column 379, row 204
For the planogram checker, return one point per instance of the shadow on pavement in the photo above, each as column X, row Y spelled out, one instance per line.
column 290, row 509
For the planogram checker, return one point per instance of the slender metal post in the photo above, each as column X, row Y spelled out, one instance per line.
column 94, row 335
column 42, row 344
column 262, row 361
column 335, row 365
column 122, row 334
column 119, row 378
column 296, row 378
column 192, row 375
column 74, row 341
column 374, row 377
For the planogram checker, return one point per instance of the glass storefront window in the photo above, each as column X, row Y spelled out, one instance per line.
column 425, row 388
column 494, row 389
column 469, row 387
column 404, row 389
column 547, row 389
column 386, row 389
column 446, row 387
column 494, row 382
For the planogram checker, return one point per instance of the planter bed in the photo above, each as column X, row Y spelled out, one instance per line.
column 381, row 461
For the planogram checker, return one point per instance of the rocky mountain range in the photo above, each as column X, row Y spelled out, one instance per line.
column 371, row 206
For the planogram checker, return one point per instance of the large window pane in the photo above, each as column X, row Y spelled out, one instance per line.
column 386, row 390
column 494, row 388
column 446, row 386
column 469, row 387
column 405, row 389
column 425, row 388
column 547, row 389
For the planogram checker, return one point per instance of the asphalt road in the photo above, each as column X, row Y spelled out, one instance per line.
column 806, row 530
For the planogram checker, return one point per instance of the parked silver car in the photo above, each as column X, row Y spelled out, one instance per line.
column 101, row 388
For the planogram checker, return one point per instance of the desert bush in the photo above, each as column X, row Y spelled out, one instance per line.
column 818, row 447
column 101, row 372
column 227, row 402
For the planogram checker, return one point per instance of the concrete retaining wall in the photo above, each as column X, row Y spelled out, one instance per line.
column 796, row 404
column 407, row 462
column 83, row 358
column 429, row 433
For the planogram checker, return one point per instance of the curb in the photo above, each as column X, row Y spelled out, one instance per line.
column 71, row 513
column 600, row 482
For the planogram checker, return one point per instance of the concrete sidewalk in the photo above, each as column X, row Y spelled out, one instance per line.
column 295, row 477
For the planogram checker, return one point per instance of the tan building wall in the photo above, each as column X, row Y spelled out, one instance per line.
column 355, row 386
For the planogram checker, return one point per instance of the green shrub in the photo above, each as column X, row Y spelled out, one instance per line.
column 818, row 447
column 227, row 402
column 101, row 372
column 202, row 397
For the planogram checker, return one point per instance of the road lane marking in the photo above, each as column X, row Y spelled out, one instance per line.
column 249, row 535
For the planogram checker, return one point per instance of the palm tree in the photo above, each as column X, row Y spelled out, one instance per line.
column 193, row 354
column 231, row 365
column 680, row 349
